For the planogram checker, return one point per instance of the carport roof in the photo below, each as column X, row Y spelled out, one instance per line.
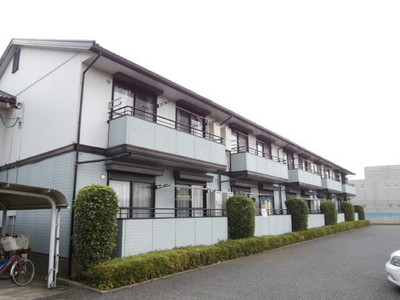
column 23, row 197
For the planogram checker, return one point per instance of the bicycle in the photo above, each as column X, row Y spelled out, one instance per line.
column 21, row 269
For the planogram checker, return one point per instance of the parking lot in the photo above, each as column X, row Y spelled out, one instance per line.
column 348, row 265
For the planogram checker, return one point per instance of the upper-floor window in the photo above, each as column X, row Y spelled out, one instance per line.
column 260, row 149
column 263, row 149
column 304, row 164
column 190, row 122
column 239, row 142
column 15, row 65
column 290, row 160
column 134, row 101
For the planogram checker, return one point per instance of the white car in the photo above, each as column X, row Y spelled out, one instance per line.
column 393, row 268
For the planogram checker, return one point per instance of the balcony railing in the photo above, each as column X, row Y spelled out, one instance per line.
column 151, row 117
column 246, row 149
column 162, row 213
column 271, row 212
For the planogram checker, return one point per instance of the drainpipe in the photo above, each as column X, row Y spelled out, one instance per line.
column 78, row 142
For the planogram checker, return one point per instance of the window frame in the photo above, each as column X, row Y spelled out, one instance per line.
column 136, row 92
column 189, row 128
column 191, row 213
column 236, row 145
column 146, row 180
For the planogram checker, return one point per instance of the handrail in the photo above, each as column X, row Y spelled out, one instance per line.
column 151, row 117
column 246, row 149
column 174, row 212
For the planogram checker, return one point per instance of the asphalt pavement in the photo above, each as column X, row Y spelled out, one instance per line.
column 348, row 265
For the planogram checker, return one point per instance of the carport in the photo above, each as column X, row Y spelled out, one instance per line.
column 23, row 197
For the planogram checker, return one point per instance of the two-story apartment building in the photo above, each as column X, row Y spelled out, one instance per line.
column 75, row 114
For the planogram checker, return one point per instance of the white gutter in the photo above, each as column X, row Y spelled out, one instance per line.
column 52, row 274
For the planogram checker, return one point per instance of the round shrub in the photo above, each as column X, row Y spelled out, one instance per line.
column 348, row 210
column 96, row 228
column 360, row 210
column 328, row 208
column 298, row 209
column 241, row 217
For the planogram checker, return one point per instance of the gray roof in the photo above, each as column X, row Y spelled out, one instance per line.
column 21, row 197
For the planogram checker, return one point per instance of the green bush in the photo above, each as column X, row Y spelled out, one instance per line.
column 348, row 210
column 360, row 210
column 241, row 217
column 129, row 270
column 96, row 228
column 328, row 208
column 298, row 209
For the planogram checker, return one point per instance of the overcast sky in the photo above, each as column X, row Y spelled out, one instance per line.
column 324, row 74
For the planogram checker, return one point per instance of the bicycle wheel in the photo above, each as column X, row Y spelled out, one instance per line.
column 22, row 273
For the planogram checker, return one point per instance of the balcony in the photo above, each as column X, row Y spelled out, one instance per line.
column 247, row 161
column 305, row 179
column 155, row 136
column 349, row 189
column 331, row 185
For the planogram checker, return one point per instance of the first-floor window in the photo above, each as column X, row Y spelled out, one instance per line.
column 135, row 198
column 189, row 201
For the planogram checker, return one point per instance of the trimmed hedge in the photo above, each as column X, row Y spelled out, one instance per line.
column 328, row 208
column 96, row 208
column 348, row 210
column 360, row 210
column 129, row 270
column 241, row 217
column 298, row 209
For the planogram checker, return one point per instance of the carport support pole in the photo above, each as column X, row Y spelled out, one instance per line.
column 51, row 282
column 57, row 248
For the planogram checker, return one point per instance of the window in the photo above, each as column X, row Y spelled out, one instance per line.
column 136, row 199
column 189, row 201
column 266, row 149
column 190, row 122
column 303, row 164
column 133, row 101
column 290, row 160
column 239, row 142
column 15, row 65
column 260, row 149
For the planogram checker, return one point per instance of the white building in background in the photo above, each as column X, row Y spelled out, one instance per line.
column 379, row 193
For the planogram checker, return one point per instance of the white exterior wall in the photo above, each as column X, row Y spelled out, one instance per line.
column 340, row 218
column 141, row 236
column 47, row 83
column 168, row 110
column 316, row 220
column 272, row 225
column 97, row 96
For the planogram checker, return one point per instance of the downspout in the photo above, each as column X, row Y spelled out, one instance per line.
column 78, row 142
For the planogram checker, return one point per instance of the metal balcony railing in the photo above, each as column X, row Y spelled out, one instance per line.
column 162, row 213
column 151, row 117
column 246, row 149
